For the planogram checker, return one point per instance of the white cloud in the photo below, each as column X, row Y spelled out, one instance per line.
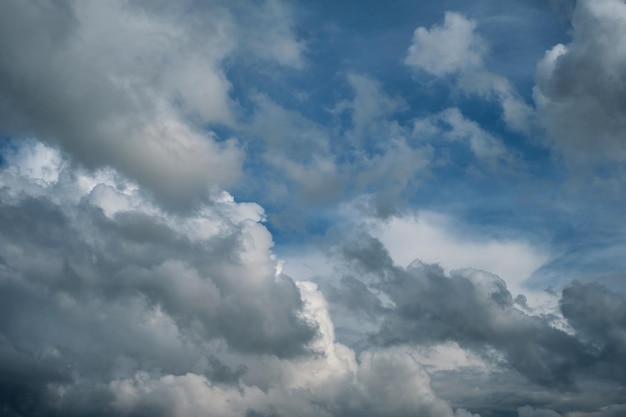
column 450, row 48
column 456, row 50
column 431, row 237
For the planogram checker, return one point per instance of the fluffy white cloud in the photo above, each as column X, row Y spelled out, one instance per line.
column 450, row 48
column 454, row 49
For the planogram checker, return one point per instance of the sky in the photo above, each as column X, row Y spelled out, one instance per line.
column 292, row 208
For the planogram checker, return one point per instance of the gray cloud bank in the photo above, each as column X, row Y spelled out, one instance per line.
column 578, row 347
column 111, row 306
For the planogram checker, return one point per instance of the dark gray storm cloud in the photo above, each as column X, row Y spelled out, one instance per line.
column 473, row 308
column 421, row 305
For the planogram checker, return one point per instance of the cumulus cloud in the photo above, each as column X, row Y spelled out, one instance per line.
column 454, row 49
column 421, row 305
column 128, row 284
column 333, row 384
column 580, row 87
column 559, row 352
column 447, row 49
column 109, row 305
column 482, row 314
column 132, row 84
column 599, row 316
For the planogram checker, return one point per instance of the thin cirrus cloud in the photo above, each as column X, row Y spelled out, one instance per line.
column 222, row 209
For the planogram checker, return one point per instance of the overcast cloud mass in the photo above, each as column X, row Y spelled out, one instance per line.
column 303, row 209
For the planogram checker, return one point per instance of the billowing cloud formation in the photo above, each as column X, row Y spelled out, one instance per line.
column 483, row 314
column 581, row 89
column 99, row 239
column 421, row 306
column 111, row 306
column 130, row 84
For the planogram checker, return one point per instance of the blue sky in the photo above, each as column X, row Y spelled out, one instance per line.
column 282, row 208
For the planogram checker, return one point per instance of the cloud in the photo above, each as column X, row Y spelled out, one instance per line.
column 110, row 305
column 466, row 326
column 422, row 305
column 298, row 153
column 451, row 126
column 447, row 49
column 133, row 84
column 528, row 411
column 599, row 316
column 370, row 107
column 455, row 50
column 372, row 157
column 608, row 411
column 130, row 285
column 333, row 384
column 128, row 248
column 471, row 319
column 580, row 88
column 433, row 238
column 381, row 159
